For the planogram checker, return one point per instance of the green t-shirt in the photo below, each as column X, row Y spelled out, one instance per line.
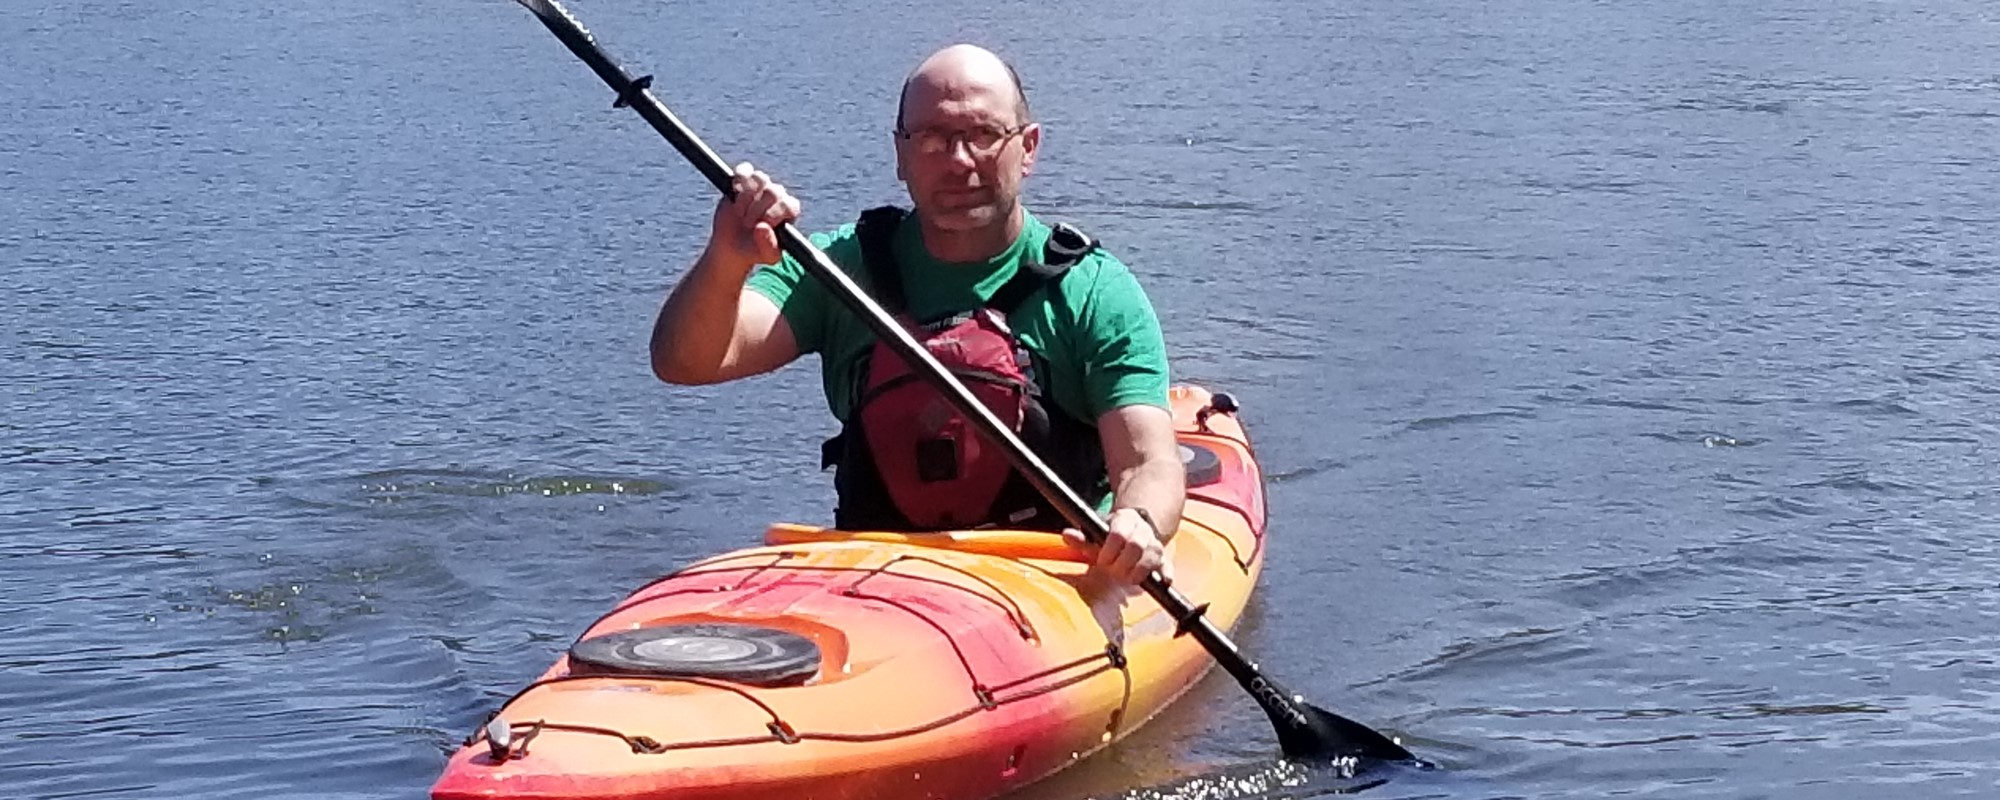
column 1097, row 349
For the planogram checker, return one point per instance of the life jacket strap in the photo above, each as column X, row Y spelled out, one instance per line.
column 877, row 231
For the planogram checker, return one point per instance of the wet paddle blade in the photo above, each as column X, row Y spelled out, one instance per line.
column 1305, row 732
column 1327, row 736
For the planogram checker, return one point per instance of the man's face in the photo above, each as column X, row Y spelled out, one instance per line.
column 963, row 153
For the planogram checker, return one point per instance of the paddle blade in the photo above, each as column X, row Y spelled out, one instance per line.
column 1309, row 733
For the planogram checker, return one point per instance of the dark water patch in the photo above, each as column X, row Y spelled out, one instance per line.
column 1726, row 104
column 1504, row 651
column 1274, row 355
column 1468, row 418
column 1309, row 470
column 104, row 550
column 50, row 344
column 86, row 654
column 114, row 791
column 1686, row 571
column 1874, row 408
column 1825, row 598
column 1636, row 405
column 1296, row 328
column 1859, row 480
column 57, row 456
column 1605, row 186
column 1776, row 507
column 117, row 516
column 1924, row 113
column 1459, row 248
column 1732, row 480
column 1620, row 727
column 80, row 654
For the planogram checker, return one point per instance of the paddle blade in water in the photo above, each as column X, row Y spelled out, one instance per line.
column 1316, row 734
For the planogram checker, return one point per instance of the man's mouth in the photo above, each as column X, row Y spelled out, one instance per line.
column 962, row 198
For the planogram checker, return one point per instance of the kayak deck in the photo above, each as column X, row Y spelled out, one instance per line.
column 954, row 664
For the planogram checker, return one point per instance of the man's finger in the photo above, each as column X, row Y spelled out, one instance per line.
column 780, row 208
column 1107, row 557
column 1151, row 564
column 1126, row 563
column 740, row 180
column 1079, row 545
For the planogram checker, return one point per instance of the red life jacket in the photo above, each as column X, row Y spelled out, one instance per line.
column 907, row 459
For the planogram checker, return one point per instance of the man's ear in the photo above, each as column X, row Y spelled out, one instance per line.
column 1031, row 142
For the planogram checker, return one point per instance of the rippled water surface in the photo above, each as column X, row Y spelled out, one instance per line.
column 1626, row 373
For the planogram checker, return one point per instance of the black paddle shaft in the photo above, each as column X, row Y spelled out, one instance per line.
column 1303, row 730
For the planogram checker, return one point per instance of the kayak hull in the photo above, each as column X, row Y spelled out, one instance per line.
column 949, row 665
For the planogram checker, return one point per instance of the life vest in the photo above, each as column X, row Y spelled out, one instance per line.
column 906, row 459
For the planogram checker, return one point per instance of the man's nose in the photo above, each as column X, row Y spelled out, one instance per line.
column 961, row 153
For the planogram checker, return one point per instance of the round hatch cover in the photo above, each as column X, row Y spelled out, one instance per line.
column 722, row 651
column 1203, row 465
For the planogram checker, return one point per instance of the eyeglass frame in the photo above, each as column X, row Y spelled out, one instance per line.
column 957, row 137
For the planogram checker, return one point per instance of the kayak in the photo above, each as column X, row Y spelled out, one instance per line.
column 837, row 664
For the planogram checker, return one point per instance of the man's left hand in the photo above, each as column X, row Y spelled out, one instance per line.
column 1130, row 553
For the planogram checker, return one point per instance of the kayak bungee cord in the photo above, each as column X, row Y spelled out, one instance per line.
column 985, row 696
column 1304, row 731
column 1007, row 604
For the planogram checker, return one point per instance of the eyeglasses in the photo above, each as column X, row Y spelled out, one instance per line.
column 984, row 142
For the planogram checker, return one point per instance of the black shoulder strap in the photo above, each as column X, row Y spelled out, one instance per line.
column 1066, row 247
column 877, row 232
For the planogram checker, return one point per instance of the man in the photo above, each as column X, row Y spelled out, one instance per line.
column 1083, row 335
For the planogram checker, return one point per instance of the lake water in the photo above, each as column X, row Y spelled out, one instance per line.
column 1625, row 372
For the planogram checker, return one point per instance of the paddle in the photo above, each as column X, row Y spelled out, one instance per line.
column 1304, row 731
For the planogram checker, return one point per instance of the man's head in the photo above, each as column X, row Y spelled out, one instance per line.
column 964, row 140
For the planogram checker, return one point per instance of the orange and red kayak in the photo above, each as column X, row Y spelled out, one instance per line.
column 844, row 665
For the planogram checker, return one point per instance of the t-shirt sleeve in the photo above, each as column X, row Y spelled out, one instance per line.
column 1123, row 352
column 802, row 300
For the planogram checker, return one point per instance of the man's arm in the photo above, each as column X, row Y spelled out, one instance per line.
column 711, row 329
column 1142, row 456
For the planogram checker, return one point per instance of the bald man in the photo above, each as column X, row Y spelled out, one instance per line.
column 1050, row 330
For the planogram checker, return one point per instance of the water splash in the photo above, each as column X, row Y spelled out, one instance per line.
column 1271, row 780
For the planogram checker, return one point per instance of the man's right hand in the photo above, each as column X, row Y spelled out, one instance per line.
column 712, row 328
column 745, row 229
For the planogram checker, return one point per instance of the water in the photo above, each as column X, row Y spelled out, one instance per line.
column 1625, row 372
